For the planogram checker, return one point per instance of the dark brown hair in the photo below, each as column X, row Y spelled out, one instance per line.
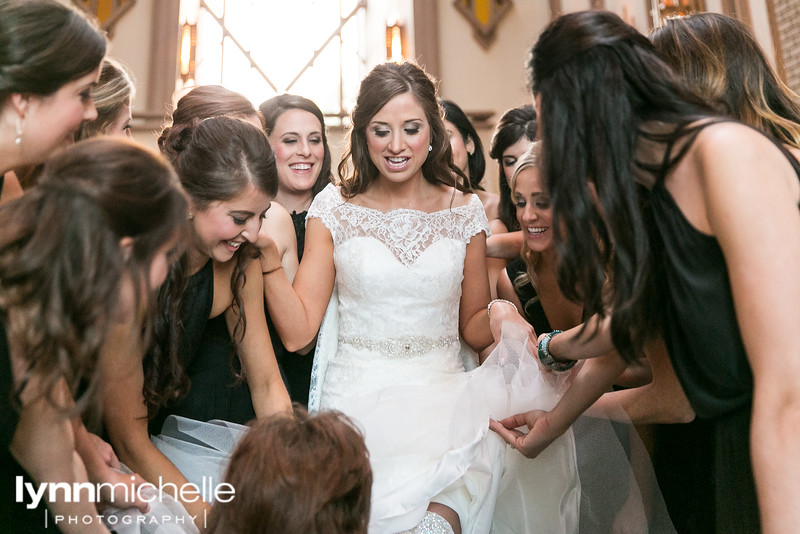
column 275, row 107
column 45, row 44
column 383, row 83
column 602, row 84
column 304, row 474
column 515, row 124
column 216, row 159
column 60, row 256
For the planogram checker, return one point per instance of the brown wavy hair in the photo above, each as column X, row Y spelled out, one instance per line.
column 61, row 263
column 216, row 159
column 719, row 58
column 383, row 83
column 304, row 474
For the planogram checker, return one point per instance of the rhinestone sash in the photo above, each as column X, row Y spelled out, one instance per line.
column 400, row 347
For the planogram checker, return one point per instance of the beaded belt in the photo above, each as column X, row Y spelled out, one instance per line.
column 401, row 347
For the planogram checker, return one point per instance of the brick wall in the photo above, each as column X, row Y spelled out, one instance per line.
column 787, row 15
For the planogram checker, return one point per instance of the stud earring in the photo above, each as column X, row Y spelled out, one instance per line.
column 430, row 147
column 18, row 139
column 191, row 216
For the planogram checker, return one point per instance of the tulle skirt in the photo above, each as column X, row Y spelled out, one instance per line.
column 426, row 425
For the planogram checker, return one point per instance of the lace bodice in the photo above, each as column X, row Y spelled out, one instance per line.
column 398, row 274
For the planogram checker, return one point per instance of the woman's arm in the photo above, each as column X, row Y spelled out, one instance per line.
column 102, row 467
column 660, row 401
column 587, row 340
column 297, row 309
column 495, row 266
column 44, row 445
column 757, row 224
column 505, row 245
column 279, row 227
column 594, row 378
column 125, row 417
column 260, row 367
column 505, row 290
column 474, row 321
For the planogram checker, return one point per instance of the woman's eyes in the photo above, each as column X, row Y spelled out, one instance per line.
column 86, row 95
column 238, row 220
column 411, row 130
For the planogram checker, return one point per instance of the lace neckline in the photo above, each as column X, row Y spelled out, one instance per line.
column 395, row 211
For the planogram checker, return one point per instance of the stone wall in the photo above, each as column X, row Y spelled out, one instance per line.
column 787, row 16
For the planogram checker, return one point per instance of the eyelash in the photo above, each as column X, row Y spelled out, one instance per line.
column 293, row 141
column 86, row 95
column 239, row 221
column 384, row 133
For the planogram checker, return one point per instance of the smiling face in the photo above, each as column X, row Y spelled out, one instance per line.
column 512, row 154
column 51, row 121
column 223, row 226
column 296, row 140
column 398, row 136
column 534, row 211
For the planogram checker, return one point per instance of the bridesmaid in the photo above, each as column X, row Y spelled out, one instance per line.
column 44, row 93
column 296, row 130
column 79, row 257
column 227, row 169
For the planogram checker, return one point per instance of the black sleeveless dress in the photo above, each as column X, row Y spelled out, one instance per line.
column 705, row 345
column 295, row 368
column 532, row 308
column 15, row 517
column 205, row 350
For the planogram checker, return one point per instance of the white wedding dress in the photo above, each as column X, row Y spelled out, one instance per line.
column 389, row 357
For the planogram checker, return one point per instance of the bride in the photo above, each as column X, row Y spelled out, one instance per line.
column 396, row 255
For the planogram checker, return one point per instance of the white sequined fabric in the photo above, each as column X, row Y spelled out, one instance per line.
column 431, row 524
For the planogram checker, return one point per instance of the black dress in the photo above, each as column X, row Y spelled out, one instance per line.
column 295, row 368
column 705, row 345
column 205, row 351
column 532, row 308
column 15, row 517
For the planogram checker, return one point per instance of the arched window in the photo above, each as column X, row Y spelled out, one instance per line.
column 260, row 48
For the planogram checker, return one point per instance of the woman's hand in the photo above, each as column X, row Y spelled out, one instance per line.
column 540, row 433
column 502, row 311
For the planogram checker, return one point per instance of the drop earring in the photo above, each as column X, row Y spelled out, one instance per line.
column 18, row 139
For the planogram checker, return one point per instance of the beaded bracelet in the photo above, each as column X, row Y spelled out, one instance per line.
column 547, row 359
column 489, row 307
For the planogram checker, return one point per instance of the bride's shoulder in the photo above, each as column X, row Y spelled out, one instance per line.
column 458, row 199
